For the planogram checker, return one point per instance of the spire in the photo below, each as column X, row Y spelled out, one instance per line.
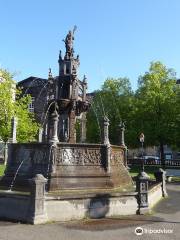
column 60, row 55
column 85, row 79
column 50, row 73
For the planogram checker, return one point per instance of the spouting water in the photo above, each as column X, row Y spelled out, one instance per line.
column 45, row 116
column 30, row 86
column 49, row 160
column 97, row 119
column 104, row 114
column 42, row 91
column 16, row 173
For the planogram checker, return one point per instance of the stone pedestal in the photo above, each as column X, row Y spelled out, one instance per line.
column 37, row 212
column 142, row 189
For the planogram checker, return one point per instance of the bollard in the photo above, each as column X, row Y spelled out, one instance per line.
column 37, row 213
column 142, row 189
column 161, row 178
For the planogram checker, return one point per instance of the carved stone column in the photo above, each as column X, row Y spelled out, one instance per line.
column 84, row 88
column 105, row 140
column 105, row 132
column 13, row 130
column 121, row 134
column 83, row 128
column 72, row 129
column 121, row 131
column 53, row 126
column 40, row 134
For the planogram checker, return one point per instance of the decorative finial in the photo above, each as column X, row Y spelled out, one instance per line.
column 85, row 79
column 60, row 55
column 122, row 124
column 50, row 73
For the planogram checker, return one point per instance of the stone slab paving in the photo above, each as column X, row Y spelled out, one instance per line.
column 166, row 216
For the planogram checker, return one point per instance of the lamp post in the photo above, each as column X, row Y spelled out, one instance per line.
column 141, row 139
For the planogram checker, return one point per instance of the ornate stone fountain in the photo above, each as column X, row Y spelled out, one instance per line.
column 65, row 163
column 81, row 180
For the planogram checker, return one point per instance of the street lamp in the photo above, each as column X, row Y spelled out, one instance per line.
column 141, row 139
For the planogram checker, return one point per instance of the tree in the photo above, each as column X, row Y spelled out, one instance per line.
column 7, row 106
column 115, row 100
column 157, row 108
column 94, row 117
column 11, row 107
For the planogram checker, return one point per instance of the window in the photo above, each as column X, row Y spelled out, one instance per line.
column 67, row 70
column 31, row 104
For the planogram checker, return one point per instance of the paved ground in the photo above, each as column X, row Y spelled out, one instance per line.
column 166, row 217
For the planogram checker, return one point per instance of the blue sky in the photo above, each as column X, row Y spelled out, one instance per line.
column 115, row 38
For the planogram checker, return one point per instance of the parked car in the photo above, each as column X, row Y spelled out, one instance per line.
column 149, row 159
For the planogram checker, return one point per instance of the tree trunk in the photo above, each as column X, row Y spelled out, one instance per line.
column 162, row 154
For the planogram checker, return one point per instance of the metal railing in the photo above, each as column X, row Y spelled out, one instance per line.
column 174, row 162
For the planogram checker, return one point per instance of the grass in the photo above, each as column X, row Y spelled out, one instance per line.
column 176, row 179
column 135, row 170
column 2, row 168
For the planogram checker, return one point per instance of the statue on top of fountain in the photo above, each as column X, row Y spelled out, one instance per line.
column 69, row 42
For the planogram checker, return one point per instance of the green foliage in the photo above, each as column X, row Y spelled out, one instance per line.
column 157, row 104
column 94, row 123
column 115, row 100
column 9, row 107
column 153, row 109
column 2, row 168
column 27, row 127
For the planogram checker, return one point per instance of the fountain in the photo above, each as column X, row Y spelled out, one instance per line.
column 70, row 168
column 68, row 165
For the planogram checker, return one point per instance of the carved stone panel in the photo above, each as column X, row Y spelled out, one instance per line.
column 78, row 156
column 117, row 156
column 25, row 158
column 143, row 187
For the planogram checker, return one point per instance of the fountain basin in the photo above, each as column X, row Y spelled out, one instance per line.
column 73, row 205
column 67, row 166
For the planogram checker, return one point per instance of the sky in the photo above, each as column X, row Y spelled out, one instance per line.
column 114, row 38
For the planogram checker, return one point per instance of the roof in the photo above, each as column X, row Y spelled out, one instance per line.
column 32, row 82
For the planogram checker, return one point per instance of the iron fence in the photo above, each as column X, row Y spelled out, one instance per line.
column 174, row 162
